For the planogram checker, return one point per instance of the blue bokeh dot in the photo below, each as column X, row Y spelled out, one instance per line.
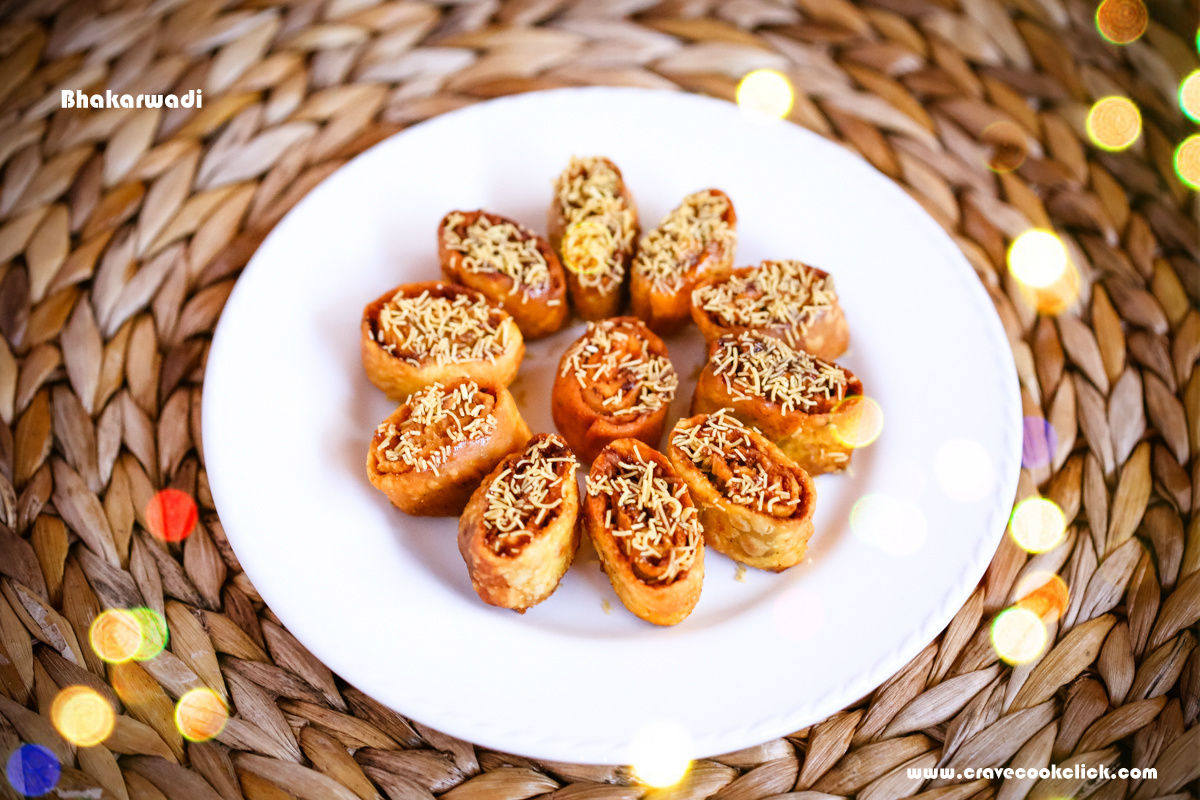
column 32, row 770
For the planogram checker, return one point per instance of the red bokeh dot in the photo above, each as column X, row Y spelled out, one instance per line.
column 171, row 515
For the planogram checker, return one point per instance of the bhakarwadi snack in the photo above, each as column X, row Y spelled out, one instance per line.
column 614, row 382
column 431, row 452
column 509, row 263
column 433, row 332
column 797, row 400
column 646, row 530
column 518, row 534
column 593, row 224
column 696, row 240
column 756, row 504
column 786, row 299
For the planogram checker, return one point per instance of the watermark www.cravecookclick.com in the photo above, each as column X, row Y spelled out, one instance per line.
column 110, row 99
column 1101, row 772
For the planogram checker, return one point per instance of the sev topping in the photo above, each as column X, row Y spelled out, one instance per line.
column 647, row 514
column 618, row 375
column 423, row 433
column 600, row 225
column 722, row 447
column 697, row 227
column 458, row 326
column 778, row 294
column 527, row 494
column 503, row 248
column 755, row 365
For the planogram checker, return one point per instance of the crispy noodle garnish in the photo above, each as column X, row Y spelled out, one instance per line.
column 655, row 529
column 755, row 365
column 424, row 431
column 504, row 247
column 617, row 373
column 599, row 223
column 783, row 294
column 667, row 253
column 721, row 446
column 527, row 494
column 442, row 329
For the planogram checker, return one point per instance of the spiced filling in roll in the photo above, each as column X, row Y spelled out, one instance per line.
column 786, row 299
column 528, row 493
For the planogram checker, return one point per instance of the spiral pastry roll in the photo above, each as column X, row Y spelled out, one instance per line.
column 797, row 400
column 614, row 382
column 786, row 299
column 518, row 533
column 432, row 451
column 509, row 263
column 644, row 526
column 696, row 240
column 756, row 504
column 593, row 224
column 433, row 332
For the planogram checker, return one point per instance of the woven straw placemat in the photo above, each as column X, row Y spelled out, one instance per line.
column 122, row 232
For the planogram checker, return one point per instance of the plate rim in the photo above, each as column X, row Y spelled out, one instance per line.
column 545, row 745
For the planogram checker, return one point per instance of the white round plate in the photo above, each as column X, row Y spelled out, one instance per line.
column 384, row 598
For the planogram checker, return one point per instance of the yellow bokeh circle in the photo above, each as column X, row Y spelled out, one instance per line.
column 857, row 421
column 1018, row 635
column 1037, row 258
column 115, row 636
column 1114, row 123
column 1037, row 524
column 200, row 715
column 1189, row 96
column 82, row 716
column 1187, row 161
column 766, row 92
column 660, row 754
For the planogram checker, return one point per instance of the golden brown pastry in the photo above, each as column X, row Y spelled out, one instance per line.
column 509, row 263
column 518, row 533
column 787, row 299
column 645, row 528
column 593, row 224
column 756, row 504
column 432, row 451
column 696, row 240
column 433, row 332
column 614, row 382
column 796, row 399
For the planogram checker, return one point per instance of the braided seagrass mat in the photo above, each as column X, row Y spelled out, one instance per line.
column 122, row 232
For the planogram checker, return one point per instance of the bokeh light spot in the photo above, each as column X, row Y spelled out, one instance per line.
column 799, row 614
column 1043, row 593
column 965, row 470
column 896, row 527
column 171, row 515
column 1189, row 96
column 1039, row 443
column 1018, row 635
column 82, row 716
column 1114, row 123
column 1037, row 258
column 1005, row 146
column 200, row 715
column 660, row 753
column 767, row 93
column 115, row 636
column 1122, row 21
column 858, row 421
column 1187, row 161
column 32, row 770
column 1037, row 524
column 153, row 627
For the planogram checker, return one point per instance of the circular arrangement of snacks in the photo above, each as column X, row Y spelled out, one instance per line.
column 768, row 407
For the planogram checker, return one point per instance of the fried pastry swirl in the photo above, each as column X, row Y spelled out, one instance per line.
column 424, row 333
column 786, row 299
column 518, row 534
column 756, row 504
column 430, row 453
column 507, row 262
column 616, row 381
column 696, row 240
column 646, row 530
column 593, row 225
column 796, row 399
